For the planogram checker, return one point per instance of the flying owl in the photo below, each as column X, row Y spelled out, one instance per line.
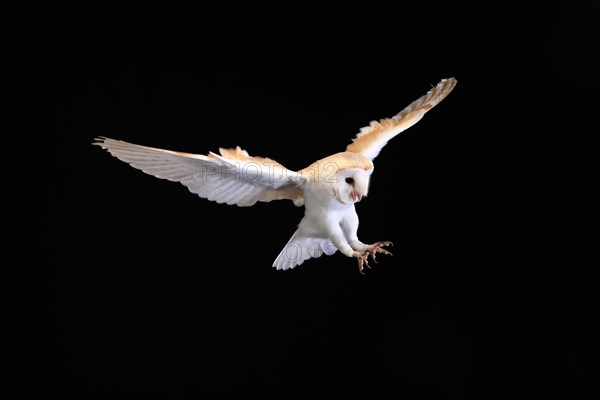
column 328, row 188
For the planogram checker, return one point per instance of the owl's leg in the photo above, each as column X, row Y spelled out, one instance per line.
column 349, row 225
column 339, row 240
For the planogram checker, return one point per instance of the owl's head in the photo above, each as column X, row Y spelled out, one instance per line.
column 352, row 184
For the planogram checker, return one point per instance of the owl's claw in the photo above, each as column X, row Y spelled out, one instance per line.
column 363, row 259
column 377, row 248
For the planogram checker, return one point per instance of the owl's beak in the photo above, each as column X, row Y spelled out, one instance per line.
column 356, row 197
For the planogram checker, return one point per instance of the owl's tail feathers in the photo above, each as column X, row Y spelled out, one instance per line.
column 300, row 248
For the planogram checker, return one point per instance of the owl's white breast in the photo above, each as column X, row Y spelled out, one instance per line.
column 322, row 208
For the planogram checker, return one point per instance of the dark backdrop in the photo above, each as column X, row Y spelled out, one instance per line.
column 153, row 289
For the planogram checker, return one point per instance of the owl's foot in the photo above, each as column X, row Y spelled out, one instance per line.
column 378, row 248
column 363, row 259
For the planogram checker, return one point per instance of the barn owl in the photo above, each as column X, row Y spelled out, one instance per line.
column 328, row 188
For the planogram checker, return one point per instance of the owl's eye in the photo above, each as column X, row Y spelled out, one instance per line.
column 349, row 181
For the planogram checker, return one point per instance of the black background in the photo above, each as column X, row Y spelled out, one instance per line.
column 153, row 289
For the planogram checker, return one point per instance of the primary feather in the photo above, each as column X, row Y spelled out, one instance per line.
column 233, row 177
column 371, row 139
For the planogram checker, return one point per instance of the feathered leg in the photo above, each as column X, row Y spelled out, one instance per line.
column 349, row 225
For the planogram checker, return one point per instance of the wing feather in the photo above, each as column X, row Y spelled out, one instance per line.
column 231, row 177
column 300, row 248
column 371, row 139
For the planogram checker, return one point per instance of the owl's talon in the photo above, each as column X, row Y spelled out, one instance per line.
column 363, row 259
column 378, row 248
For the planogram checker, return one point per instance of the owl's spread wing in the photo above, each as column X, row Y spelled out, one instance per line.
column 371, row 139
column 231, row 177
